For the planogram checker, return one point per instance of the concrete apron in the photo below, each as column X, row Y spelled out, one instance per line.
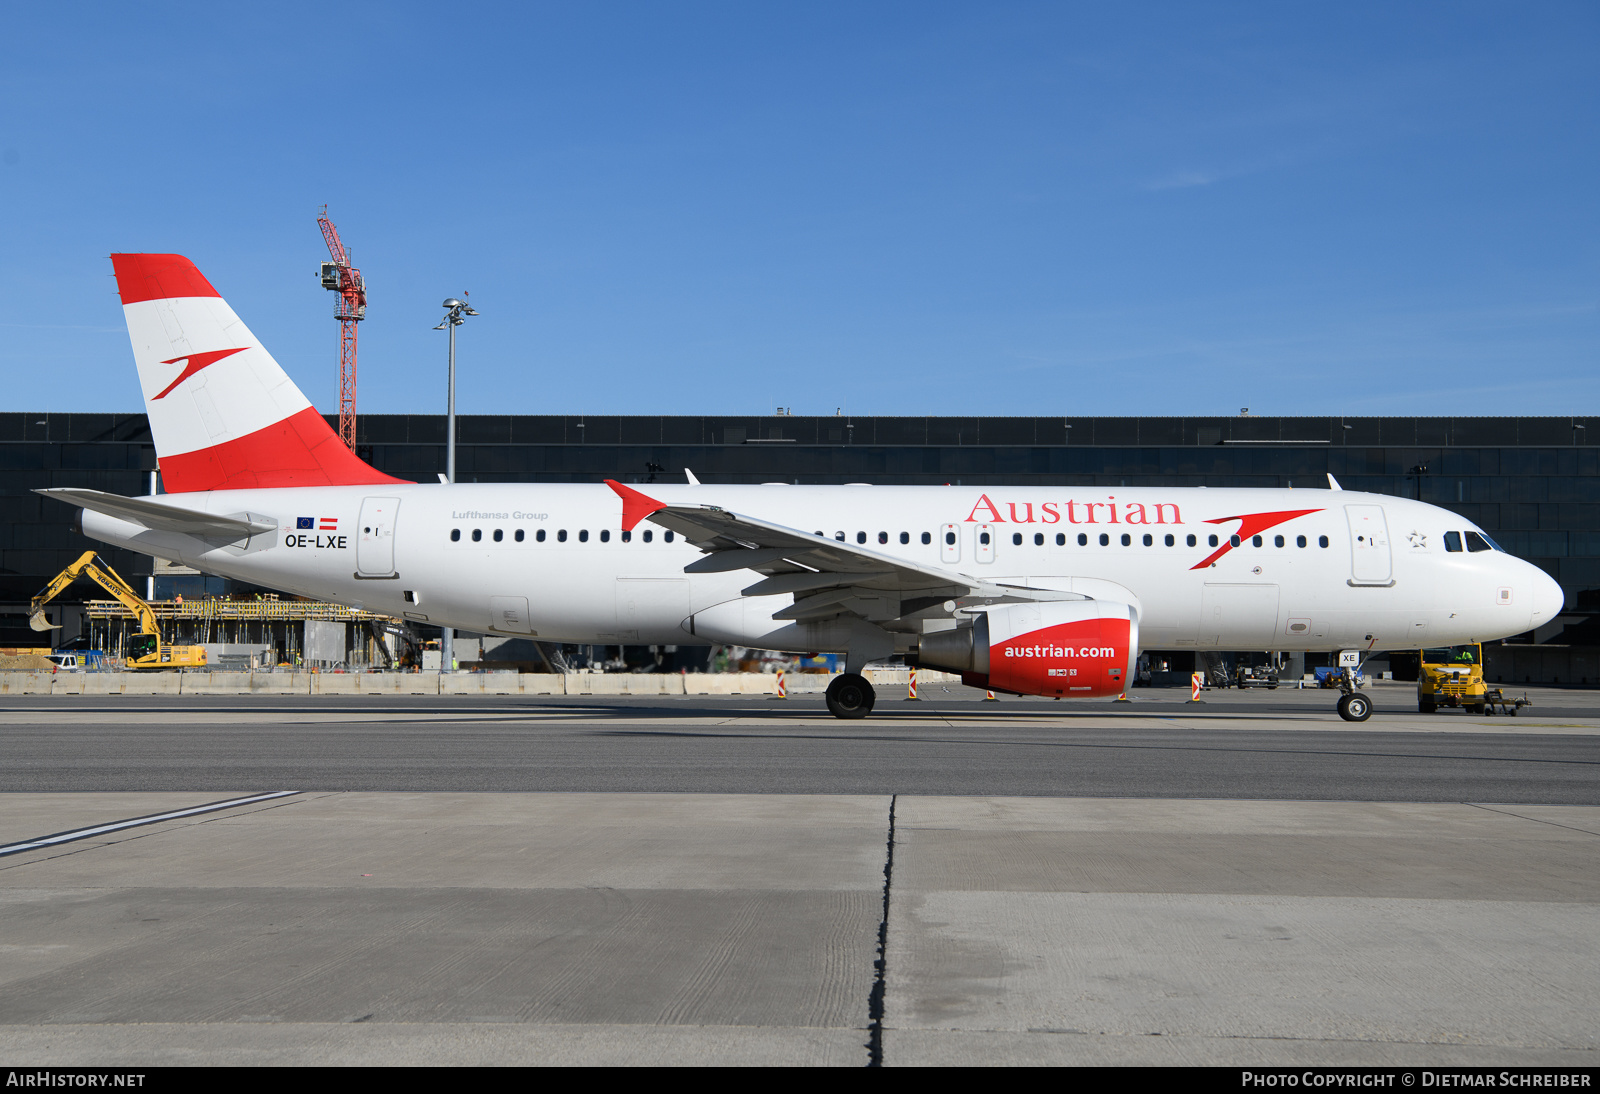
column 636, row 928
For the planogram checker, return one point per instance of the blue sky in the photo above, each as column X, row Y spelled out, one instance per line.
column 916, row 208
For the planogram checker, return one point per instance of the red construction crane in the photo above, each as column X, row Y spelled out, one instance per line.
column 351, row 308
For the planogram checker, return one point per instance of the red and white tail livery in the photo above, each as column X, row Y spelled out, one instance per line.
column 224, row 415
column 1030, row 589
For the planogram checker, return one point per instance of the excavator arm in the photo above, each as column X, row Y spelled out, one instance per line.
column 90, row 565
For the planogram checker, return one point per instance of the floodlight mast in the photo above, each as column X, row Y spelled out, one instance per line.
column 455, row 315
column 342, row 277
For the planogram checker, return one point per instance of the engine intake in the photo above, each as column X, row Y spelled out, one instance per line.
column 1082, row 648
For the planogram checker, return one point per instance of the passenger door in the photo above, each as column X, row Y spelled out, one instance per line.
column 375, row 537
column 1370, row 560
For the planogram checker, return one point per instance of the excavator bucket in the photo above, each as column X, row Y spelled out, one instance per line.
column 39, row 623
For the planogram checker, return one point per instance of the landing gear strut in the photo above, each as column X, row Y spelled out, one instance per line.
column 850, row 696
column 1353, row 706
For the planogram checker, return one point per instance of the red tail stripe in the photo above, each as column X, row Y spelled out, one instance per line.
column 301, row 450
column 158, row 277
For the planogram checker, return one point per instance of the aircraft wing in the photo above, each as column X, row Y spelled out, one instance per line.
column 162, row 518
column 828, row 577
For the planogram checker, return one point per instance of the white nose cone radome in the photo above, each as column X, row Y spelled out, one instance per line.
column 223, row 414
column 1548, row 597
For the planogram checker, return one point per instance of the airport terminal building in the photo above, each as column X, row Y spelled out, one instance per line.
column 1532, row 483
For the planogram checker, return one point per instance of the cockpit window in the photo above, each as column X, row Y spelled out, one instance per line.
column 1452, row 541
column 1476, row 542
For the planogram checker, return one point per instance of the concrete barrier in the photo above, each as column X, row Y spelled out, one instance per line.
column 25, row 683
column 624, row 683
column 396, row 683
column 655, row 683
column 731, row 683
column 414, row 683
column 433, row 683
column 336, row 683
column 805, row 683
column 461, row 683
column 213, row 683
column 116, row 683
column 280, row 683
column 501, row 683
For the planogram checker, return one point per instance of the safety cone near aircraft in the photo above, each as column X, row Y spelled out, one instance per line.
column 1027, row 589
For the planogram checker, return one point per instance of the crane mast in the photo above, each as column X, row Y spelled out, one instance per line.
column 350, row 308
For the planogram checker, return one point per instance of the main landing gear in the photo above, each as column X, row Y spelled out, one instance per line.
column 850, row 696
column 1353, row 706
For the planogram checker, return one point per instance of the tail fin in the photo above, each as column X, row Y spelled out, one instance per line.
column 223, row 414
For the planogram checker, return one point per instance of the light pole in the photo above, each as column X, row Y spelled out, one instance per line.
column 454, row 316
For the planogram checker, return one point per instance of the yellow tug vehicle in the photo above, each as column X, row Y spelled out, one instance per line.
column 1452, row 676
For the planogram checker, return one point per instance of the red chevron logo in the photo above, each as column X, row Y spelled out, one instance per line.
column 1250, row 524
column 197, row 361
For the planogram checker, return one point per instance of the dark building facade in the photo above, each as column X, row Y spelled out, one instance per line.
column 1532, row 483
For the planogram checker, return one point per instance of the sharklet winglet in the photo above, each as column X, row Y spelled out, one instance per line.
column 635, row 506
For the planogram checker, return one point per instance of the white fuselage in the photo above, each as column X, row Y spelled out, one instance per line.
column 451, row 556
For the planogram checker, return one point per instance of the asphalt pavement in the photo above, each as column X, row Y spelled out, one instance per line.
column 1284, row 745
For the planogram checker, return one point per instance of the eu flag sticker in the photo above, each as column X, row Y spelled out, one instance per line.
column 304, row 522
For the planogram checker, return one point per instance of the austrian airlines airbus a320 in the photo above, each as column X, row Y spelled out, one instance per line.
column 1032, row 590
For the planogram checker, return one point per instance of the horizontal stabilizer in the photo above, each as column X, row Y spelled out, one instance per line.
column 160, row 517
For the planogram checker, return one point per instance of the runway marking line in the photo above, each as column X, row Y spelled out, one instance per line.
column 135, row 822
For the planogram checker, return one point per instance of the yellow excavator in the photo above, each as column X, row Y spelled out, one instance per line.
column 146, row 650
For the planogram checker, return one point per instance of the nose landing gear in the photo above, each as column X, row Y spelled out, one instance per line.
column 1353, row 706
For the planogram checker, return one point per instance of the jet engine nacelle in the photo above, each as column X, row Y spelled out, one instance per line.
column 1082, row 648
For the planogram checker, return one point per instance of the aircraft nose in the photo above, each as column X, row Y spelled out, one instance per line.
column 1548, row 597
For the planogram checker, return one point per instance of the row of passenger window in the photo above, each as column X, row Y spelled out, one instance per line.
column 1475, row 542
column 1171, row 540
column 1150, row 541
column 540, row 535
column 883, row 537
